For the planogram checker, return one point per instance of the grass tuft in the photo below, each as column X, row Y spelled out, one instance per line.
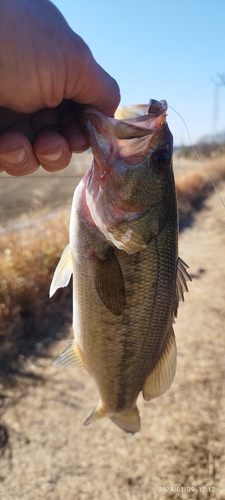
column 27, row 262
column 194, row 185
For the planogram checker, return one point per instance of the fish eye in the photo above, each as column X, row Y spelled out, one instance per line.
column 161, row 159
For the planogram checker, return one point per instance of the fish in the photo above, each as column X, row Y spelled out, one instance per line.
column 123, row 255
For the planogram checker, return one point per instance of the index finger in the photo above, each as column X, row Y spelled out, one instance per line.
column 90, row 83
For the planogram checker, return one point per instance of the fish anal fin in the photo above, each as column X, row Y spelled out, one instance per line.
column 161, row 378
column 62, row 272
column 109, row 282
column 128, row 421
column 71, row 356
column 181, row 285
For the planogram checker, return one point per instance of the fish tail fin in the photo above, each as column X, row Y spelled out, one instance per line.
column 129, row 421
column 99, row 412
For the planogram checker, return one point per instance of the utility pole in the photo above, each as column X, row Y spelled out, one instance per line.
column 215, row 108
column 220, row 82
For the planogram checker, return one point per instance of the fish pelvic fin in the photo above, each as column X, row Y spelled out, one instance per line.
column 63, row 271
column 181, row 285
column 128, row 421
column 71, row 356
column 161, row 377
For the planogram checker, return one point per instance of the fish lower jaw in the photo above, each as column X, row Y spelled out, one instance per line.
column 107, row 219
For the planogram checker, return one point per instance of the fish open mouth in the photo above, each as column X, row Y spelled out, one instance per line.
column 130, row 122
column 140, row 112
column 126, row 136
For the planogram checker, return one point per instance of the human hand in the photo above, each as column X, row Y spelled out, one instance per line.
column 45, row 68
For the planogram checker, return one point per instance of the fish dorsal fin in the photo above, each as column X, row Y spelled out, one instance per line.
column 63, row 271
column 161, row 378
column 109, row 282
column 70, row 356
column 181, row 285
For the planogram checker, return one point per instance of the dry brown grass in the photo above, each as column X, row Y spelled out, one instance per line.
column 27, row 262
column 194, row 186
column 205, row 150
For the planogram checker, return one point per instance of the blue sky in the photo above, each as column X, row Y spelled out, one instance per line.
column 161, row 49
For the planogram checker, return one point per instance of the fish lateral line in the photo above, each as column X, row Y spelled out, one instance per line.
column 199, row 158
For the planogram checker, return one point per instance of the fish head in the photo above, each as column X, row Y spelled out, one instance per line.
column 127, row 184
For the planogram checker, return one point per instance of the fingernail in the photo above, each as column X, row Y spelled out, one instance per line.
column 54, row 156
column 15, row 157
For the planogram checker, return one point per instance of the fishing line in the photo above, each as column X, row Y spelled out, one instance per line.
column 197, row 155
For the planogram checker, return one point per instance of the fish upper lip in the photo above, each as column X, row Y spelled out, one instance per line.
column 157, row 107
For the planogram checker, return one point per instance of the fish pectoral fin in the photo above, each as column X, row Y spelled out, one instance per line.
column 63, row 271
column 129, row 421
column 70, row 356
column 109, row 282
column 181, row 285
column 161, row 378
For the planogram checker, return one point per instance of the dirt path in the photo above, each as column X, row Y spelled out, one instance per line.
column 40, row 193
column 179, row 452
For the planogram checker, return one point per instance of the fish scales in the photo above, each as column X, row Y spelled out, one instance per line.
column 128, row 341
column 127, row 278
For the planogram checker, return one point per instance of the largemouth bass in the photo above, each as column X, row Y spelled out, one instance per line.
column 123, row 254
